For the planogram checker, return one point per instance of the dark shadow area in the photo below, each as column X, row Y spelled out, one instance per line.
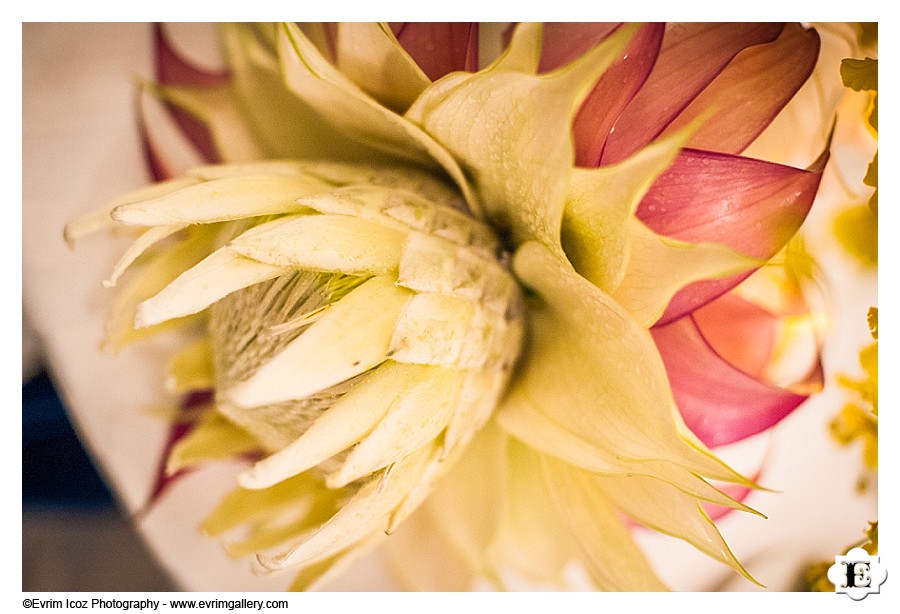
column 74, row 537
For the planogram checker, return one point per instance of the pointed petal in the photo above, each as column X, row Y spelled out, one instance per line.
column 691, row 57
column 222, row 200
column 370, row 55
column 659, row 267
column 213, row 278
column 320, row 85
column 595, row 370
column 154, row 277
column 102, row 218
column 214, row 438
column 134, row 251
column 327, row 243
column 513, row 126
column 719, row 403
column 416, row 418
column 564, row 42
column 282, row 125
column 751, row 206
column 659, row 506
column 353, row 336
column 614, row 561
column 243, row 506
column 600, row 205
column 350, row 419
column 366, row 513
column 440, row 48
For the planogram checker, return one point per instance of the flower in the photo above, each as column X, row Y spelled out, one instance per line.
column 454, row 303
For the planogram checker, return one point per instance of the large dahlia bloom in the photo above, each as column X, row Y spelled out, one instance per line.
column 489, row 313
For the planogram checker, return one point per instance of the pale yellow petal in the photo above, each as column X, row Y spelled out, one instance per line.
column 353, row 336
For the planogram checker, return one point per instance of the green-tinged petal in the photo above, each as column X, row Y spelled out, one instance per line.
column 531, row 536
column 661, row 507
column 417, row 417
column 341, row 102
column 214, row 438
column 525, row 421
column 600, row 205
column 350, row 419
column 213, row 278
column 102, row 218
column 328, row 243
column 596, row 371
column 221, row 200
column 365, row 513
column 369, row 54
column 191, row 368
column 155, row 276
column 660, row 266
column 283, row 125
column 353, row 336
column 612, row 558
column 242, row 506
column 286, row 524
column 136, row 249
column 512, row 131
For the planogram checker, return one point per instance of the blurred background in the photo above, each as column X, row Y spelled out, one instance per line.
column 74, row 536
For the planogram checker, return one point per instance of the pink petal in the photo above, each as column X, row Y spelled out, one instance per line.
column 193, row 403
column 738, row 331
column 563, row 42
column 751, row 91
column 172, row 69
column 753, row 207
column 719, row 402
column 440, row 48
column 691, row 57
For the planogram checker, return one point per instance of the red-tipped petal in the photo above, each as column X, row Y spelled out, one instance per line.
column 720, row 403
column 440, row 48
column 564, row 42
column 691, row 57
column 172, row 69
column 753, row 207
column 194, row 402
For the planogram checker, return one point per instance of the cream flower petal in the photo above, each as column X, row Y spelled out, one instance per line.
column 353, row 336
column 368, row 511
column 661, row 507
column 512, row 129
column 600, row 205
column 349, row 420
column 322, row 86
column 369, row 54
column 333, row 243
column 221, row 200
column 612, row 558
column 659, row 267
column 213, row 278
column 578, row 332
